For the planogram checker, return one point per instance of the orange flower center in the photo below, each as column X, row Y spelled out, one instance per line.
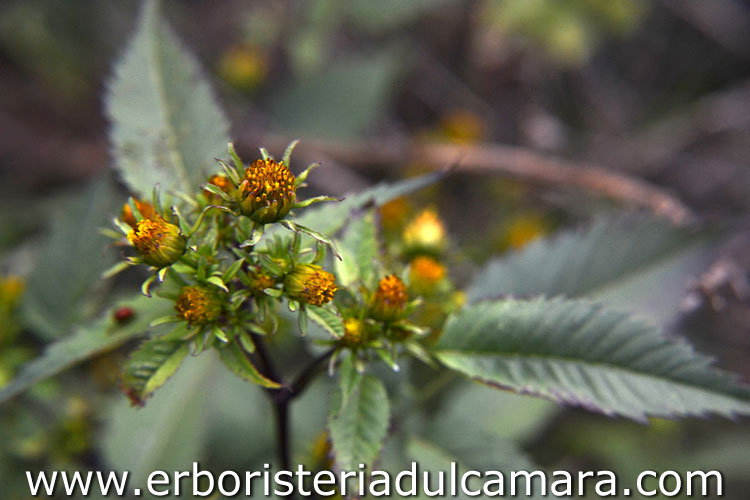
column 267, row 182
column 148, row 234
column 320, row 287
column 197, row 305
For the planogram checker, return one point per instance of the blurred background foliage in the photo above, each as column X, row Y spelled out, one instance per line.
column 652, row 89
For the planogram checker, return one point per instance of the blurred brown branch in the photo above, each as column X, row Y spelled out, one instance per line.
column 495, row 158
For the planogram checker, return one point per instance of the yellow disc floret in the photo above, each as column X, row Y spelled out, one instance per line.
column 389, row 300
column 157, row 241
column 310, row 284
column 198, row 305
column 267, row 191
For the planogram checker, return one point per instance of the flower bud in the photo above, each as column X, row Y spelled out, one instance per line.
column 198, row 305
column 389, row 300
column 424, row 273
column 146, row 209
column 267, row 191
column 157, row 241
column 310, row 284
column 425, row 232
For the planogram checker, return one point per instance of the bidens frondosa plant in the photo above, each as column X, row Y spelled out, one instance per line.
column 226, row 268
column 237, row 266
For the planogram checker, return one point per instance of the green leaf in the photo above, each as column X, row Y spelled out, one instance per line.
column 342, row 101
column 149, row 367
column 328, row 318
column 358, row 429
column 70, row 263
column 503, row 415
column 359, row 251
column 99, row 336
column 604, row 260
column 166, row 125
column 490, row 454
column 580, row 353
column 349, row 379
column 236, row 361
column 329, row 218
column 170, row 432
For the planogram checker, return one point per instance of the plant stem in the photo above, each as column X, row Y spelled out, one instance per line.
column 309, row 373
column 282, row 397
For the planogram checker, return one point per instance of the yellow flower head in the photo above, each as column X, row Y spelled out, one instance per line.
column 146, row 209
column 426, row 231
column 310, row 284
column 157, row 241
column 354, row 332
column 198, row 305
column 389, row 300
column 425, row 272
column 267, row 191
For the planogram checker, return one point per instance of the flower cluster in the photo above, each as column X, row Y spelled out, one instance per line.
column 207, row 253
column 224, row 259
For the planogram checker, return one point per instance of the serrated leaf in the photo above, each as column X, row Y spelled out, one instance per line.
column 327, row 318
column 166, row 125
column 359, row 251
column 600, row 261
column 358, row 429
column 235, row 360
column 89, row 340
column 149, row 367
column 70, row 263
column 579, row 353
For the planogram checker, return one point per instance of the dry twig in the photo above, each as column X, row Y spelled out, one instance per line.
column 488, row 158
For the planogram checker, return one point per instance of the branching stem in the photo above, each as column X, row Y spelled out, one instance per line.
column 282, row 397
